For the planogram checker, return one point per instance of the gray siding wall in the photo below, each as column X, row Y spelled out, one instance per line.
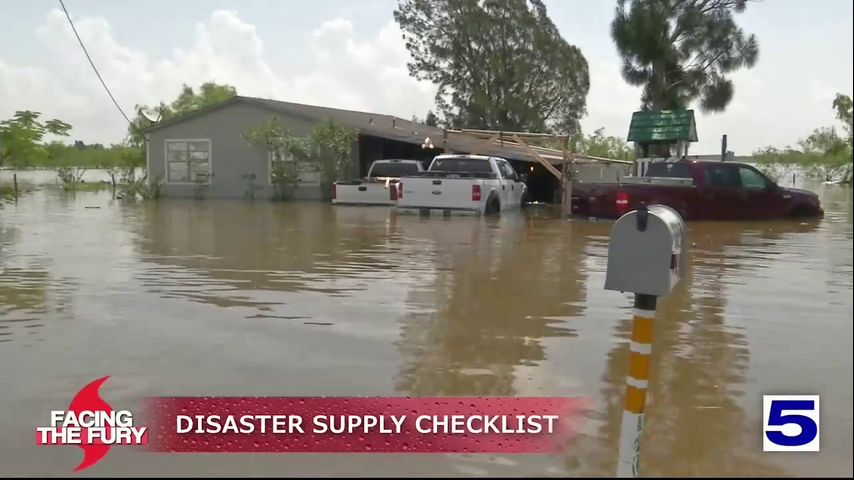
column 231, row 157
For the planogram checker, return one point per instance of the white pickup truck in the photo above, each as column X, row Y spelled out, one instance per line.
column 379, row 187
column 463, row 183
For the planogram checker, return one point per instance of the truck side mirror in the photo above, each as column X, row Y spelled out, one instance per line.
column 523, row 177
column 645, row 252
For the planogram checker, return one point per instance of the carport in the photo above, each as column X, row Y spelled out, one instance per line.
column 545, row 158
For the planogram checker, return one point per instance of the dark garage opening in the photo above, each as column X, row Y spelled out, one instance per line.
column 375, row 148
column 543, row 187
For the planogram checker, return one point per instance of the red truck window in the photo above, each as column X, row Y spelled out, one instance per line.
column 751, row 179
column 722, row 175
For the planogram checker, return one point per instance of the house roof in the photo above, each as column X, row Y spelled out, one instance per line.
column 374, row 124
column 377, row 124
column 663, row 126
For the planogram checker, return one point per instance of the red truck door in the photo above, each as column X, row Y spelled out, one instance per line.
column 722, row 197
column 763, row 200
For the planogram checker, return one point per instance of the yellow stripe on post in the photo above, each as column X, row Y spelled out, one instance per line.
column 635, row 399
column 642, row 329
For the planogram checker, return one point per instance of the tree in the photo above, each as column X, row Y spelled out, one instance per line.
column 281, row 146
column 830, row 153
column 682, row 50
column 332, row 144
column 842, row 104
column 22, row 135
column 600, row 145
column 431, row 120
column 823, row 155
column 498, row 64
column 210, row 93
column 327, row 150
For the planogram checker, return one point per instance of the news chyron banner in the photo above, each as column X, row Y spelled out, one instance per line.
column 186, row 425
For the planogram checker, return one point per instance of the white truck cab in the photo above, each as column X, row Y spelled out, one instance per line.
column 379, row 187
column 463, row 183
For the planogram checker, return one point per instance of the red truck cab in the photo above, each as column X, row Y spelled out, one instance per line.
column 698, row 190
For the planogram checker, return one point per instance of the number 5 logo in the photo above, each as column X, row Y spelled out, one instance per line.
column 790, row 423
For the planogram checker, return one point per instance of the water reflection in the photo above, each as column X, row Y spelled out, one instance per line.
column 696, row 424
column 221, row 252
column 304, row 298
column 491, row 303
column 28, row 296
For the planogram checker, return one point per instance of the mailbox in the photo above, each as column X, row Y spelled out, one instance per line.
column 645, row 252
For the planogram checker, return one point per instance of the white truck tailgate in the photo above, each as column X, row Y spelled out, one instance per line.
column 439, row 193
column 364, row 193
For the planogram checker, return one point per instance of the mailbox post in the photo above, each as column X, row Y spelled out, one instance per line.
column 645, row 258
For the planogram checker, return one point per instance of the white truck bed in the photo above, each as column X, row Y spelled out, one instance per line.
column 380, row 187
column 463, row 184
column 441, row 193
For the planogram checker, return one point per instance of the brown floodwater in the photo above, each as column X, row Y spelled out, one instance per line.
column 184, row 297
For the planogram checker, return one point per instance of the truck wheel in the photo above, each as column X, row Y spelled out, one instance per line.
column 492, row 205
column 800, row 211
column 524, row 202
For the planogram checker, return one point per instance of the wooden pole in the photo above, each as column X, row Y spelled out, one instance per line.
column 15, row 186
column 566, row 181
column 563, row 184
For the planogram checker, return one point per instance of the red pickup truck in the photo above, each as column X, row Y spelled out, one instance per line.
column 698, row 190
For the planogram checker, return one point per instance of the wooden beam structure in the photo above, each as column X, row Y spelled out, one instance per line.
column 519, row 134
column 546, row 164
column 487, row 142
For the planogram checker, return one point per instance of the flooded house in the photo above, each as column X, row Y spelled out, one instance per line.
column 205, row 150
column 205, row 154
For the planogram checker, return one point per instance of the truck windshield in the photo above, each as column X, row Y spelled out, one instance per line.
column 467, row 165
column 669, row 170
column 394, row 169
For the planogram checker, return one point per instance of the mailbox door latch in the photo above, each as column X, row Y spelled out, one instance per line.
column 643, row 218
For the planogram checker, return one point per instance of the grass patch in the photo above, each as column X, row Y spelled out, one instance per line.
column 7, row 191
column 85, row 187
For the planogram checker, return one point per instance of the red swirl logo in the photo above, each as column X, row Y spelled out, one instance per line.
column 91, row 424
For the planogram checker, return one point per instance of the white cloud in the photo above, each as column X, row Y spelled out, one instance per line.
column 344, row 72
column 774, row 103
column 610, row 101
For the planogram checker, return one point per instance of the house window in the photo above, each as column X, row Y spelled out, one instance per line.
column 307, row 172
column 188, row 161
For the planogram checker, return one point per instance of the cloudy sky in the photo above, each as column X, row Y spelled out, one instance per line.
column 349, row 54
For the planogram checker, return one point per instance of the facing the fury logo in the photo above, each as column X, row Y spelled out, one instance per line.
column 91, row 424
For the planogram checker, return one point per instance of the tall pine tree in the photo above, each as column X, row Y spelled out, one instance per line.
column 498, row 64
